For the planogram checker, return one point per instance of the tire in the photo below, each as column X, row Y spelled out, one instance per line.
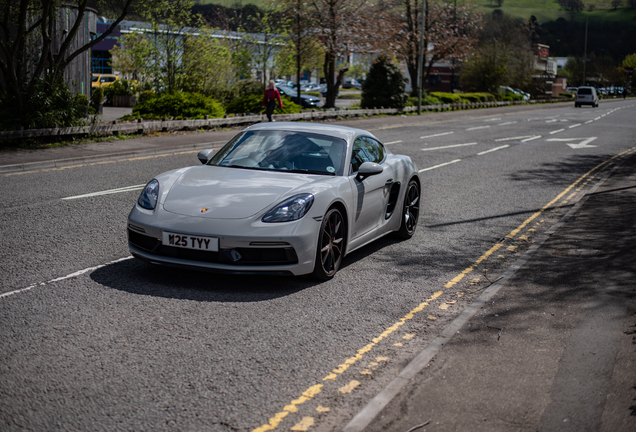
column 410, row 211
column 576, row 105
column 331, row 242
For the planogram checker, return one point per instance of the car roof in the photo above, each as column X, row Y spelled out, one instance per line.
column 343, row 132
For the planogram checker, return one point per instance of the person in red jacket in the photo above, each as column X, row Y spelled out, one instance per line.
column 270, row 98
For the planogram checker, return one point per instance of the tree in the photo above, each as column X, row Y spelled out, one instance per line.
column 384, row 85
column 344, row 26
column 34, row 55
column 616, row 4
column 505, row 44
column 207, row 67
column 269, row 29
column 449, row 28
column 133, row 56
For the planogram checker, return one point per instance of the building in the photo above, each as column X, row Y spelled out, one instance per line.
column 545, row 72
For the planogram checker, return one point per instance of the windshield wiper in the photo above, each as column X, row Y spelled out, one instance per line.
column 308, row 171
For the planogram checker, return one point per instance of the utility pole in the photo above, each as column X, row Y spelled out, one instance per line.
column 298, row 53
column 420, row 62
column 585, row 52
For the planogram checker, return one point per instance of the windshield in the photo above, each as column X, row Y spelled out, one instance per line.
column 283, row 151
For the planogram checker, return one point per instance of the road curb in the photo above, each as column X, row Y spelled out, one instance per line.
column 361, row 420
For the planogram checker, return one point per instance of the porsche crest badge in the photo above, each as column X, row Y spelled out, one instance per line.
column 204, row 209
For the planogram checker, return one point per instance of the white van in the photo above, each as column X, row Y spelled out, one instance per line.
column 586, row 96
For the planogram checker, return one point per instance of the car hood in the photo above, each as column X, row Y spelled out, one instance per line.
column 231, row 193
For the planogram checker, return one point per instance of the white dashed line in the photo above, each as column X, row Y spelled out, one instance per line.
column 514, row 138
column 507, row 123
column 589, row 121
column 393, row 142
column 556, row 131
column 440, row 165
column 436, row 135
column 449, row 146
column 107, row 192
column 478, row 127
column 531, row 139
column 493, row 149
column 68, row 276
column 575, row 125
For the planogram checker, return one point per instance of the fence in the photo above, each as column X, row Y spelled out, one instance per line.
column 140, row 126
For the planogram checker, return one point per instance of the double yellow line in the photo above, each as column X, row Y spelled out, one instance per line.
column 312, row 391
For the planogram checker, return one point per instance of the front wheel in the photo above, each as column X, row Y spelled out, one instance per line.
column 410, row 210
column 331, row 242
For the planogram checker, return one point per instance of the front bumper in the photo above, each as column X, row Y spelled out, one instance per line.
column 244, row 246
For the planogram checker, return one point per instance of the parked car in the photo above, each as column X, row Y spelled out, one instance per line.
column 571, row 90
column 310, row 87
column 101, row 80
column 351, row 83
column 586, row 96
column 278, row 198
column 306, row 101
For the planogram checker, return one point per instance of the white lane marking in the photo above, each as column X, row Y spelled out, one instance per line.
column 440, row 165
column 393, row 142
column 107, row 192
column 589, row 121
column 507, row 123
column 531, row 139
column 556, row 131
column 493, row 149
column 449, row 146
column 478, row 127
column 436, row 135
column 575, row 125
column 68, row 276
column 513, row 138
column 493, row 119
column 551, row 121
column 597, row 118
column 583, row 144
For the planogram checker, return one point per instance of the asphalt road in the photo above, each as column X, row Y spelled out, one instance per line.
column 92, row 340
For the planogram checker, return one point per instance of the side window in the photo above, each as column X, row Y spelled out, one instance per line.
column 366, row 149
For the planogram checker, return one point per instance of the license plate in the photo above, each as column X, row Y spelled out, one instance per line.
column 191, row 242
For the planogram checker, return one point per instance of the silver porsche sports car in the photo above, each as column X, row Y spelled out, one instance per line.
column 278, row 198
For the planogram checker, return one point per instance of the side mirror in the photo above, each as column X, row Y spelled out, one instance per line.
column 368, row 169
column 204, row 155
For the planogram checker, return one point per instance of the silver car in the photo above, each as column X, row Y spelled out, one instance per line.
column 586, row 96
column 278, row 198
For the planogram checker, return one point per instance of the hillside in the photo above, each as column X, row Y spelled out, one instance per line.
column 611, row 32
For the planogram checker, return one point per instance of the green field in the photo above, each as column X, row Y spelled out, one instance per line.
column 550, row 10
column 544, row 10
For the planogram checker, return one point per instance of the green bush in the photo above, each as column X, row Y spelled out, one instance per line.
column 384, row 86
column 179, row 105
column 50, row 105
column 97, row 97
column 146, row 95
column 449, row 98
column 248, row 87
column 253, row 104
column 122, row 88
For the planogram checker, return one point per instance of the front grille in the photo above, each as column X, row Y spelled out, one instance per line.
column 247, row 256
column 143, row 241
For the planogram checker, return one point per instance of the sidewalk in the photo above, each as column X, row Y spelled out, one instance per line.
column 554, row 349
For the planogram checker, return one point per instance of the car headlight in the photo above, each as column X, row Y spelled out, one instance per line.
column 291, row 209
column 148, row 197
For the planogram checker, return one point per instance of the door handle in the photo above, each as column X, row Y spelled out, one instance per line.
column 389, row 182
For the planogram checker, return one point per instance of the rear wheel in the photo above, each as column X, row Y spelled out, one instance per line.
column 330, row 245
column 410, row 210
